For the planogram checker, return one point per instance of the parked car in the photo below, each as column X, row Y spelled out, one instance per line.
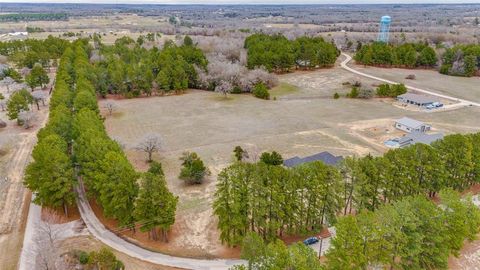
column 310, row 241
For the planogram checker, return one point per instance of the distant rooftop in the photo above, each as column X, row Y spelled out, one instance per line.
column 409, row 122
column 421, row 99
column 326, row 157
column 419, row 137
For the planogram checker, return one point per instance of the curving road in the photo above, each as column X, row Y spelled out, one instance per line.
column 348, row 58
column 97, row 229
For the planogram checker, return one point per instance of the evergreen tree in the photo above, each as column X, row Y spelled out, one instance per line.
column 155, row 205
column 50, row 175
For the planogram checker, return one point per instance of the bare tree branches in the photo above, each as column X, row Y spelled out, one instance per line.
column 27, row 118
column 150, row 144
column 110, row 107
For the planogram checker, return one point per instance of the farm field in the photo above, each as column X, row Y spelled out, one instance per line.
column 303, row 120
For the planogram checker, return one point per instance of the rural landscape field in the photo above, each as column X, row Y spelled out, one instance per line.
column 148, row 136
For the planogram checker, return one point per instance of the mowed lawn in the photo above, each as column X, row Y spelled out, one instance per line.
column 304, row 120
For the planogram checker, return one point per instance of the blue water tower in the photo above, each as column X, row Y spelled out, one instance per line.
column 384, row 33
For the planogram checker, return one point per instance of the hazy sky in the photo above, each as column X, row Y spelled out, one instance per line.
column 245, row 1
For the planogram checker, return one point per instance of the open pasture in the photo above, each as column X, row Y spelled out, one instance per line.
column 301, row 121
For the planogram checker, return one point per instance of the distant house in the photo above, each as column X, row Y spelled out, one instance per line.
column 409, row 125
column 326, row 157
column 413, row 138
column 419, row 100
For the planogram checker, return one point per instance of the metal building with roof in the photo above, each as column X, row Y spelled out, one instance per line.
column 419, row 100
column 409, row 125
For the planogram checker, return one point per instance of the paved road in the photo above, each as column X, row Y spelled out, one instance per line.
column 345, row 66
column 29, row 254
column 97, row 229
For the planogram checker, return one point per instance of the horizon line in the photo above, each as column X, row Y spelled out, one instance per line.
column 236, row 4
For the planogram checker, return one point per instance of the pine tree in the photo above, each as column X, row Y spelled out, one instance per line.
column 155, row 206
column 50, row 175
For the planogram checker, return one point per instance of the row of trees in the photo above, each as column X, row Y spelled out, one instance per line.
column 406, row 55
column 273, row 200
column 128, row 68
column 278, row 54
column 28, row 52
column 75, row 134
column 413, row 233
column 461, row 60
column 16, row 17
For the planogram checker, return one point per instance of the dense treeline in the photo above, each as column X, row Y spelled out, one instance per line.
column 272, row 200
column 413, row 233
column 28, row 52
column 128, row 68
column 461, row 60
column 50, row 174
column 75, row 134
column 278, row 54
column 33, row 17
column 406, row 55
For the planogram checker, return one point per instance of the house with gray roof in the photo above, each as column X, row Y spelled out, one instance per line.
column 416, row 99
column 414, row 138
column 325, row 157
column 409, row 125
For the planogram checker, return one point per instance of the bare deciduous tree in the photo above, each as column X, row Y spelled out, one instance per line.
column 47, row 242
column 150, row 144
column 224, row 87
column 27, row 118
column 37, row 97
column 110, row 107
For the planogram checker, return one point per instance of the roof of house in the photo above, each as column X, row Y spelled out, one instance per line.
column 422, row 99
column 409, row 122
column 419, row 137
column 326, row 157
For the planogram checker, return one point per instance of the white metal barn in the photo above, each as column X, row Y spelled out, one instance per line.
column 408, row 125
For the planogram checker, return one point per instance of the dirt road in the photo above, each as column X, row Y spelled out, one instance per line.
column 14, row 198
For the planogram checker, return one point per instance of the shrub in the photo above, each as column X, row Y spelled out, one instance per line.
column 236, row 90
column 193, row 171
column 353, row 93
column 273, row 158
column 336, row 95
column 366, row 93
column 386, row 90
column 83, row 257
column 261, row 91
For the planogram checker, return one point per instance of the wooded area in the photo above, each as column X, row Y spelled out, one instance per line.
column 278, row 54
column 75, row 139
column 274, row 201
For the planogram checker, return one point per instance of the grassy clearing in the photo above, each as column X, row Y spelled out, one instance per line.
column 283, row 89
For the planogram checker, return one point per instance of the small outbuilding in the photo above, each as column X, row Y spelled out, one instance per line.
column 410, row 125
column 325, row 157
column 418, row 100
